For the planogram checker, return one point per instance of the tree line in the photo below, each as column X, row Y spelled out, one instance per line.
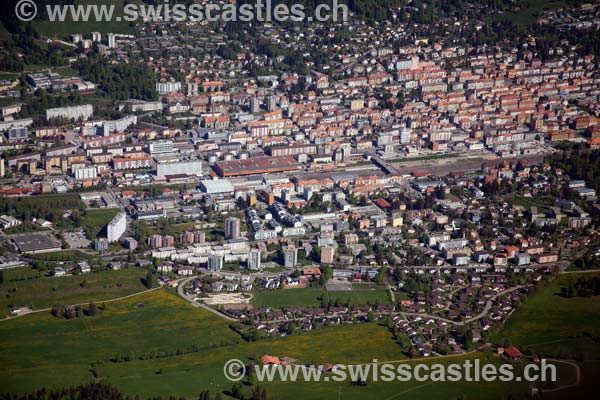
column 583, row 287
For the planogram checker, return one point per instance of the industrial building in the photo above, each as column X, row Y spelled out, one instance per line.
column 35, row 243
column 189, row 167
column 216, row 186
column 257, row 165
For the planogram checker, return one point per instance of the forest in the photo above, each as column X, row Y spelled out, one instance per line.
column 104, row 391
column 580, row 164
column 120, row 82
column 583, row 287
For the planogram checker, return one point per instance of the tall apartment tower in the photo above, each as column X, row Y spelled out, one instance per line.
column 254, row 259
column 290, row 257
column 254, row 105
column 232, row 228
column 116, row 228
column 215, row 263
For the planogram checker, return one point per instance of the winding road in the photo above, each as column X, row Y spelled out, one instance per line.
column 181, row 292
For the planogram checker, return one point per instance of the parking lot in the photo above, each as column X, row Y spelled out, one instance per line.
column 77, row 240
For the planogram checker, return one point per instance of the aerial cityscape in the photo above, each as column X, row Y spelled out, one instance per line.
column 275, row 199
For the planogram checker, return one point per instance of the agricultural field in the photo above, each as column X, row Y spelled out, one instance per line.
column 45, row 292
column 177, row 350
column 19, row 274
column 552, row 325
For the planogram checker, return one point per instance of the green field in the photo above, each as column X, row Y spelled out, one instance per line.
column 52, row 202
column 543, row 205
column 158, row 323
column 288, row 298
column 7, row 75
column 25, row 228
column 361, row 294
column 18, row 274
column 555, row 326
column 65, row 255
column 94, row 221
column 45, row 292
column 63, row 29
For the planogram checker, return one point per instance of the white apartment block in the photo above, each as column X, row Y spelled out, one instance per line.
column 116, row 228
column 82, row 112
column 168, row 87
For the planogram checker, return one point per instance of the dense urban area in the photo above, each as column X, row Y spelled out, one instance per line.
column 417, row 183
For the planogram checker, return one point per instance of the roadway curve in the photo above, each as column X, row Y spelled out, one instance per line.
column 194, row 303
column 571, row 385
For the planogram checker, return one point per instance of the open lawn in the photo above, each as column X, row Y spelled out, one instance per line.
column 159, row 323
column 25, row 228
column 307, row 297
column 45, row 292
column 543, row 205
column 6, row 75
column 552, row 325
column 19, row 274
column 52, row 202
column 94, row 221
column 65, row 255
column 361, row 294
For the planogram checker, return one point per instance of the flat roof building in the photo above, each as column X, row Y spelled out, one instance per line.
column 256, row 165
column 35, row 243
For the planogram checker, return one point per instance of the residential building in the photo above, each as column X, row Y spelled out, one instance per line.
column 116, row 228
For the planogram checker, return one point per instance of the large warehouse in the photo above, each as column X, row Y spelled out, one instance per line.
column 189, row 167
column 35, row 243
column 216, row 186
column 256, row 165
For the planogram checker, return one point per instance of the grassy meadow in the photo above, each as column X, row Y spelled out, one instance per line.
column 45, row 292
column 179, row 350
column 552, row 325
